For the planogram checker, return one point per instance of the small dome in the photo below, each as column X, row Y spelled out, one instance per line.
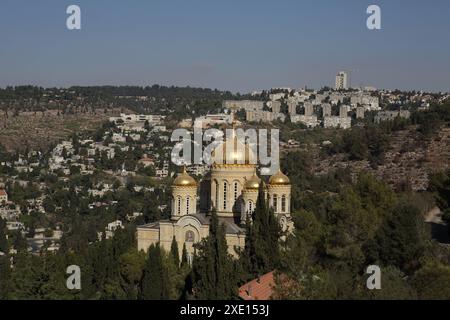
column 279, row 179
column 184, row 180
column 253, row 183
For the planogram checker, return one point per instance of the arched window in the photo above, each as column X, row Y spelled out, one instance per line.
column 190, row 237
column 225, row 190
column 188, row 202
column 283, row 203
column 178, row 205
column 250, row 206
column 217, row 195
column 235, row 191
column 275, row 202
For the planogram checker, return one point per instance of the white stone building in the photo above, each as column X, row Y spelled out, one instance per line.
column 232, row 189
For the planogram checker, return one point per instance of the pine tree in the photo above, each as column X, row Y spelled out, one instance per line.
column 155, row 280
column 213, row 274
column 174, row 252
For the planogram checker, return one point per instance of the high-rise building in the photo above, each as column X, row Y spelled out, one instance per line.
column 292, row 108
column 360, row 112
column 309, row 109
column 326, row 110
column 276, row 106
column 344, row 110
column 342, row 80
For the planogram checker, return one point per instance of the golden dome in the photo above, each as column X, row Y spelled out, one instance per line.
column 184, row 180
column 279, row 179
column 253, row 183
column 233, row 151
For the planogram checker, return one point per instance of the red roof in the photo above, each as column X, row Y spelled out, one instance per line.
column 147, row 159
column 258, row 289
column 3, row 192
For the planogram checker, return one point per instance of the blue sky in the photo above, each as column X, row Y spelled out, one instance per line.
column 235, row 45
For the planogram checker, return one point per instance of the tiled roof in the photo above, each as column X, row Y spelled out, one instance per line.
column 153, row 225
column 3, row 192
column 258, row 289
column 230, row 226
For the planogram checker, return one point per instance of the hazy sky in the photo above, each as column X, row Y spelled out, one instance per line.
column 239, row 45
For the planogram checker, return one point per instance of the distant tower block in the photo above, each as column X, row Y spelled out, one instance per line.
column 342, row 81
column 276, row 106
column 292, row 108
column 326, row 110
column 360, row 112
column 343, row 111
column 309, row 109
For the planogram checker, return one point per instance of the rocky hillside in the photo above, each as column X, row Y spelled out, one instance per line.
column 41, row 129
column 407, row 164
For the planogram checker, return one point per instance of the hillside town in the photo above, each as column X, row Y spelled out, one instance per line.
column 115, row 182
column 134, row 149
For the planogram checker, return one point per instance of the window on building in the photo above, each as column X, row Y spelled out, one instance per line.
column 178, row 205
column 275, row 202
column 250, row 206
column 283, row 203
column 188, row 202
column 225, row 190
column 235, row 191
column 217, row 196
column 190, row 237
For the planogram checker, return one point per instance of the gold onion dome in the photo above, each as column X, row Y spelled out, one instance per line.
column 253, row 183
column 279, row 179
column 184, row 180
column 232, row 151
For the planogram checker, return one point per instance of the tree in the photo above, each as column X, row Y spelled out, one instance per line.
column 433, row 282
column 5, row 278
column 401, row 240
column 3, row 240
column 131, row 265
column 184, row 258
column 213, row 276
column 175, row 255
column 262, row 239
column 440, row 186
column 20, row 243
column 155, row 280
column 394, row 286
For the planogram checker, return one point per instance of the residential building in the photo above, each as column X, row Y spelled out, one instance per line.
column 342, row 81
column 3, row 196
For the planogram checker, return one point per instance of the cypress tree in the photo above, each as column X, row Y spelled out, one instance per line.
column 262, row 248
column 175, row 255
column 155, row 279
column 213, row 268
column 184, row 259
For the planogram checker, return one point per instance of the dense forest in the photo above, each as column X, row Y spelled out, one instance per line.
column 340, row 230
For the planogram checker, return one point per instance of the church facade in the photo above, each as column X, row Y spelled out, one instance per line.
column 231, row 188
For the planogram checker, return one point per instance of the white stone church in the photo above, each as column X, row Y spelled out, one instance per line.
column 231, row 187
